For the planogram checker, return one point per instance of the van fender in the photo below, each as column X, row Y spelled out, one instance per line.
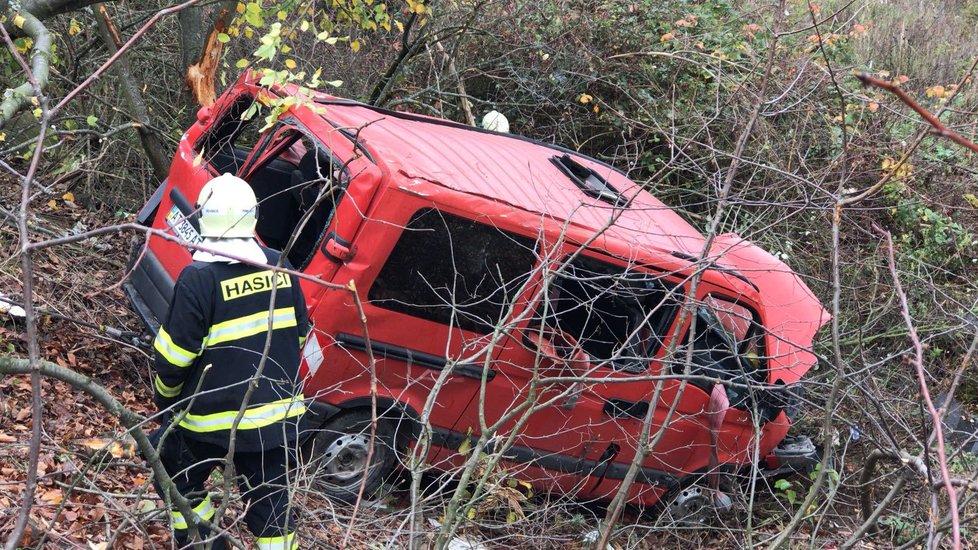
column 407, row 419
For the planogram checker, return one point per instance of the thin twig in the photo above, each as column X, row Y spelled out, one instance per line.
column 939, row 128
column 918, row 363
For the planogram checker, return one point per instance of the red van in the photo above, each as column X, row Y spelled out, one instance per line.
column 539, row 291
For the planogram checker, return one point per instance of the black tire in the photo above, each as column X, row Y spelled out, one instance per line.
column 339, row 452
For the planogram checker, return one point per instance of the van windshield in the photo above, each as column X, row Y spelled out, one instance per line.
column 618, row 315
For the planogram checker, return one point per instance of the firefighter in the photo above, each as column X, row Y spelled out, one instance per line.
column 210, row 351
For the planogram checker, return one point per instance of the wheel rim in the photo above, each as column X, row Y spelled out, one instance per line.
column 346, row 457
column 690, row 506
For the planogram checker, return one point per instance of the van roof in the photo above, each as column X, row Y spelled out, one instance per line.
column 520, row 172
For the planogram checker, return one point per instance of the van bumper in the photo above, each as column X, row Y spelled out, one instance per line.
column 149, row 287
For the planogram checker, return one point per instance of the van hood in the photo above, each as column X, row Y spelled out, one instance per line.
column 790, row 311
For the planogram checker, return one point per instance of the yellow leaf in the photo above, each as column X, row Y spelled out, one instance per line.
column 667, row 37
column 19, row 21
column 465, row 447
column 73, row 28
column 3, row 136
column 249, row 32
column 281, row 15
column 972, row 199
column 290, row 63
column 52, row 204
column 585, row 99
column 355, row 45
column 935, row 91
column 198, row 159
column 471, row 513
column 595, row 108
column 240, row 8
column 68, row 197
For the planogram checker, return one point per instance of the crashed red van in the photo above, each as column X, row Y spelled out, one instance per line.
column 513, row 283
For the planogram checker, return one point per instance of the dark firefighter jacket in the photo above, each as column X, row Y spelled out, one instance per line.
column 210, row 346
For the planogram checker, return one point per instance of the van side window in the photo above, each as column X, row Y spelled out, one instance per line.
column 618, row 315
column 453, row 270
column 295, row 178
column 232, row 138
column 727, row 345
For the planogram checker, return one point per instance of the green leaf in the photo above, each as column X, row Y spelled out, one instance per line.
column 223, row 38
column 782, row 484
column 335, row 83
column 92, row 120
column 241, row 64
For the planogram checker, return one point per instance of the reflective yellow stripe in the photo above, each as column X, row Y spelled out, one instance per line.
column 172, row 352
column 302, row 340
column 254, row 418
column 243, row 327
column 167, row 391
column 204, row 510
column 286, row 542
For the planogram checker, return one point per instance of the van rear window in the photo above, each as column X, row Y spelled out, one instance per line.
column 454, row 271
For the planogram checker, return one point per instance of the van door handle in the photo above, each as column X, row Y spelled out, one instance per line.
column 337, row 248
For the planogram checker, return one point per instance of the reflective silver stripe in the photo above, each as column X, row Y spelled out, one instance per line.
column 204, row 510
column 242, row 327
column 167, row 391
column 172, row 352
column 285, row 542
column 254, row 418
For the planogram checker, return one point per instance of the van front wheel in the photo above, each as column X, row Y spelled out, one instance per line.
column 342, row 458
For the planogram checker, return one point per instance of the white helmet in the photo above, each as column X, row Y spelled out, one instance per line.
column 228, row 208
column 495, row 121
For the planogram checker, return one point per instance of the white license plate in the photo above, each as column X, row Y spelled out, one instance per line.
column 182, row 227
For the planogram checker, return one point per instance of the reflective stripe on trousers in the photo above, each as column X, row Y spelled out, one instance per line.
column 285, row 542
column 204, row 510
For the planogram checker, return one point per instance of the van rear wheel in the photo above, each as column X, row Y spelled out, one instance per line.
column 340, row 453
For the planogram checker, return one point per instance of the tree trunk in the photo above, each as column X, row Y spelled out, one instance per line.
column 200, row 51
column 152, row 145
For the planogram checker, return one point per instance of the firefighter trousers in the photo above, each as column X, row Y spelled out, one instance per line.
column 262, row 481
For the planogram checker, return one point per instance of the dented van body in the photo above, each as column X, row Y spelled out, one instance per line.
column 538, row 290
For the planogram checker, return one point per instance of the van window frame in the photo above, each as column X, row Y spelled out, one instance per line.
column 470, row 320
column 757, row 334
column 673, row 289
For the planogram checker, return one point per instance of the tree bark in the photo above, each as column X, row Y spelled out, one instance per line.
column 21, row 96
column 200, row 50
column 152, row 145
